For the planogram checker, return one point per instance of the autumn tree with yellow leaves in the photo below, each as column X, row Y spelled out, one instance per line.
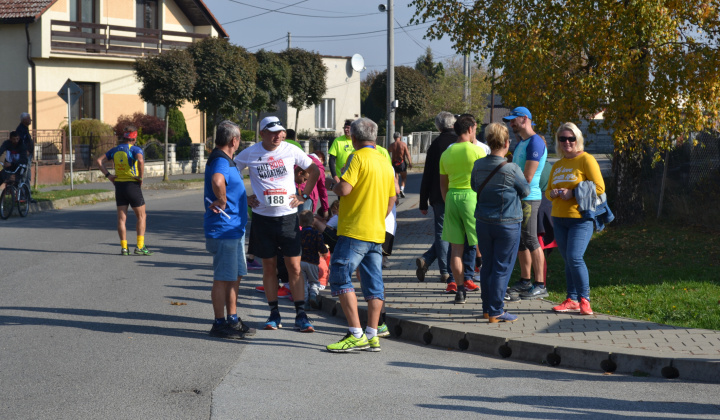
column 652, row 66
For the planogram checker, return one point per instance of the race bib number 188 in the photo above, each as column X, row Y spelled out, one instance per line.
column 276, row 197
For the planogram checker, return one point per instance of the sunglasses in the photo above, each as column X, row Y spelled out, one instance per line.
column 270, row 125
column 562, row 139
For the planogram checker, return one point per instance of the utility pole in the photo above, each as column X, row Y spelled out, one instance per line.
column 468, row 75
column 390, row 73
column 288, row 40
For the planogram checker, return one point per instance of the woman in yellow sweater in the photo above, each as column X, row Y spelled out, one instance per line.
column 572, row 231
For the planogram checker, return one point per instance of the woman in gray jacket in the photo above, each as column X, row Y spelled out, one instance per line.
column 499, row 186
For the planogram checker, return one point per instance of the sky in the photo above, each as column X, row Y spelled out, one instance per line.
column 326, row 27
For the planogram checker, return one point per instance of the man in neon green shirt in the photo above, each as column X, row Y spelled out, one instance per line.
column 339, row 151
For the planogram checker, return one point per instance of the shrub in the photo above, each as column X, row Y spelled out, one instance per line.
column 247, row 135
column 176, row 120
column 149, row 127
column 84, row 130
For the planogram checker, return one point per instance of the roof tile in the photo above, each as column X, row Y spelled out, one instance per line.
column 23, row 9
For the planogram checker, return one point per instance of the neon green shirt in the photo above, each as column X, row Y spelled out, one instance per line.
column 293, row 142
column 383, row 151
column 457, row 163
column 341, row 148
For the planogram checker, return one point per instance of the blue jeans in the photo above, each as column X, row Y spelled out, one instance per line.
column 573, row 236
column 351, row 254
column 440, row 249
column 498, row 245
column 468, row 261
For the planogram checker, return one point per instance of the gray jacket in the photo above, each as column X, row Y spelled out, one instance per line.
column 499, row 202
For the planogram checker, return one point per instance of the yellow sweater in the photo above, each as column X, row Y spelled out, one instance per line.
column 568, row 173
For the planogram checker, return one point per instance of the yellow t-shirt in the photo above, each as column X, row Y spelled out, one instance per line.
column 568, row 173
column 341, row 148
column 457, row 163
column 362, row 212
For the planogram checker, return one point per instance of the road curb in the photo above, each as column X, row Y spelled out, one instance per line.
column 540, row 350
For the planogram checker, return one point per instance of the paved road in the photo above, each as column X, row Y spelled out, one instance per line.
column 87, row 334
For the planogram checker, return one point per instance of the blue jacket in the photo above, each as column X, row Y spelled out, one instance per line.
column 499, row 202
column 591, row 206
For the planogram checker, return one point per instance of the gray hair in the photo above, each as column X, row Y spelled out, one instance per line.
column 444, row 121
column 396, row 135
column 226, row 130
column 24, row 115
column 364, row 129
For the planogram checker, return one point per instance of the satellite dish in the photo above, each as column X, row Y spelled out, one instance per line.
column 357, row 62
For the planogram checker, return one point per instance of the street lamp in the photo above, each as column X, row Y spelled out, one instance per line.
column 391, row 104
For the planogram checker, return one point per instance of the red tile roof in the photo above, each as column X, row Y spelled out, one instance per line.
column 23, row 10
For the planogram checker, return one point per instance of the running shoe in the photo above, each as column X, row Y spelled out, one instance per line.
column 253, row 265
column 124, row 252
column 451, row 288
column 504, row 317
column 314, row 301
column 470, row 285
column 284, row 293
column 302, row 323
column 444, row 278
column 512, row 297
column 568, row 306
column 260, row 289
column 521, row 286
column 383, row 330
column 460, row 297
column 143, row 251
column 585, row 307
column 273, row 322
column 537, row 291
column 349, row 343
column 422, row 268
column 225, row 331
column 243, row 328
column 373, row 344
column 402, row 194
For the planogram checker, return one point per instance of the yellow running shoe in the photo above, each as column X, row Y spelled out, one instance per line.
column 349, row 343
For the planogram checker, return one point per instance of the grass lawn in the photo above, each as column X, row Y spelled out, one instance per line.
column 176, row 181
column 654, row 272
column 58, row 194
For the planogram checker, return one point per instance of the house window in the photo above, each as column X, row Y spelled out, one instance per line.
column 156, row 110
column 147, row 14
column 87, row 105
column 325, row 115
column 83, row 11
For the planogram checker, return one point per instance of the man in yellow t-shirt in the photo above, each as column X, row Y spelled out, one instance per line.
column 367, row 196
column 339, row 151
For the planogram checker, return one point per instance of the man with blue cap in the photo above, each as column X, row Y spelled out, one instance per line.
column 530, row 155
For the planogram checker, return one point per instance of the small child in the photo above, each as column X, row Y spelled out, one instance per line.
column 312, row 247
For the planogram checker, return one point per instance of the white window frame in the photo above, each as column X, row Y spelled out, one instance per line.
column 325, row 115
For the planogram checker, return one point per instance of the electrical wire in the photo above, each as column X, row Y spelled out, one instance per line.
column 303, row 15
column 264, row 13
column 357, row 33
column 409, row 36
column 259, row 45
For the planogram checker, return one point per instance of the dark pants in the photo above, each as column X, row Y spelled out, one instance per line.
column 498, row 245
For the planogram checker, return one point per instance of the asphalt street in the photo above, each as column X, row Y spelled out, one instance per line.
column 88, row 334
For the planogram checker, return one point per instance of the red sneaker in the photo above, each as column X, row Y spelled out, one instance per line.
column 568, row 306
column 451, row 288
column 284, row 293
column 470, row 286
column 260, row 289
column 585, row 307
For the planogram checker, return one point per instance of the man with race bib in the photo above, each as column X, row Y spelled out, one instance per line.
column 274, row 220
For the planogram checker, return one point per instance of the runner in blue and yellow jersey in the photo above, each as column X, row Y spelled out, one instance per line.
column 129, row 165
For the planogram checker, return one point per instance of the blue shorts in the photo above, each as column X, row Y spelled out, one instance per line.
column 351, row 254
column 228, row 258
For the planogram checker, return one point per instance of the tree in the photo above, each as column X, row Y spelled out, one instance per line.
column 426, row 65
column 411, row 91
column 168, row 79
column 226, row 77
column 273, row 83
column 309, row 79
column 651, row 66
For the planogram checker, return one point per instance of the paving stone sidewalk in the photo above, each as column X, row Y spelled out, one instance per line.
column 422, row 312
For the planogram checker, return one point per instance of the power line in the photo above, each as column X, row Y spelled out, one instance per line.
column 357, row 33
column 413, row 39
column 308, row 8
column 303, row 15
column 409, row 62
column 264, row 13
column 259, row 45
column 360, row 37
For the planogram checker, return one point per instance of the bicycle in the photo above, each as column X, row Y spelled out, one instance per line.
column 16, row 193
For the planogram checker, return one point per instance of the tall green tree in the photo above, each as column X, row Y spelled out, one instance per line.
column 167, row 79
column 426, row 65
column 309, row 79
column 446, row 91
column 411, row 92
column 650, row 65
column 226, row 76
column 273, row 83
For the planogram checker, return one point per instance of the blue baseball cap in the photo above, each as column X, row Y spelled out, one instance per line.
column 520, row 111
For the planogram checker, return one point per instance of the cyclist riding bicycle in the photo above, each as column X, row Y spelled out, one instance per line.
column 14, row 152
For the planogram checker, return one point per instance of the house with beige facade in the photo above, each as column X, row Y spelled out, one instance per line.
column 94, row 43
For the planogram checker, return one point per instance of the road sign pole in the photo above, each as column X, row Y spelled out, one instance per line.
column 72, row 184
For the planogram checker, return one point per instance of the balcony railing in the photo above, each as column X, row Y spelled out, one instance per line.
column 95, row 38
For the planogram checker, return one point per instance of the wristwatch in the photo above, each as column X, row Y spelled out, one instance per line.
column 304, row 196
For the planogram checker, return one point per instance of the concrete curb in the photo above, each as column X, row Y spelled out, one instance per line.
column 106, row 196
column 541, row 350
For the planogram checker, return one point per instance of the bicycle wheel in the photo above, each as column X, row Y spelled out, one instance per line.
column 6, row 202
column 23, row 200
